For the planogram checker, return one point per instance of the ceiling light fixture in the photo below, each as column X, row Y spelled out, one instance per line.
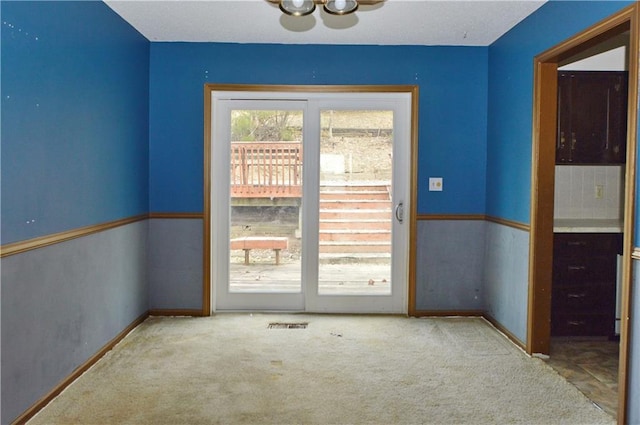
column 297, row 7
column 306, row 7
column 340, row 7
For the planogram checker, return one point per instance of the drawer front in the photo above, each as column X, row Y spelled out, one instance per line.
column 583, row 298
column 582, row 325
column 575, row 270
column 581, row 244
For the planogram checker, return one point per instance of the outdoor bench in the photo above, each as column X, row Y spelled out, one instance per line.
column 260, row 242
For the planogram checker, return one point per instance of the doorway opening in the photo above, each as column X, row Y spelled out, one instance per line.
column 548, row 316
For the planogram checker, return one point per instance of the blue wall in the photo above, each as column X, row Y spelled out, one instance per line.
column 453, row 92
column 509, row 150
column 75, row 118
column 447, row 277
column 511, row 98
column 506, row 277
column 175, row 264
column 61, row 304
column 75, row 99
column 98, row 124
column 510, row 109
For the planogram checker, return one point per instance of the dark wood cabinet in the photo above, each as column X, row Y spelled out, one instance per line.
column 584, row 283
column 592, row 117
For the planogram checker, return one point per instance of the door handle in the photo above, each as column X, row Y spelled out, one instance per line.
column 400, row 212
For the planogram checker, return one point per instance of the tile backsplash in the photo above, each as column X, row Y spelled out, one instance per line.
column 576, row 187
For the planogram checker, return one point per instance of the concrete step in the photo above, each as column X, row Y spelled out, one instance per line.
column 355, row 235
column 355, row 204
column 334, row 195
column 355, row 247
column 355, row 214
column 345, row 224
column 355, row 221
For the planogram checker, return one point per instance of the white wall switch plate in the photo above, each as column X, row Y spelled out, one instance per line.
column 435, row 184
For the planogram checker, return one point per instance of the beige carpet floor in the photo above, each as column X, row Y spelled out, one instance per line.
column 232, row 369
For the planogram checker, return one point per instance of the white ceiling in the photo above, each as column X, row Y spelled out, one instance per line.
column 393, row 22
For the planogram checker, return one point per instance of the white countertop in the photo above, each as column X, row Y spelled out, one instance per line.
column 587, row 225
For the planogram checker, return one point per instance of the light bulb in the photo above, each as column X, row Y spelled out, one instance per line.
column 341, row 4
column 297, row 7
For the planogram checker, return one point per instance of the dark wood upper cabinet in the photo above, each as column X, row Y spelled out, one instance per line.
column 592, row 117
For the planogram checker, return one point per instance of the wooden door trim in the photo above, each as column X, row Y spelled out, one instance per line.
column 541, row 229
column 629, row 214
column 543, row 170
column 209, row 88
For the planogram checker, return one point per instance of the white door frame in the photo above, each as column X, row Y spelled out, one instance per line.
column 400, row 104
column 220, row 212
column 405, row 296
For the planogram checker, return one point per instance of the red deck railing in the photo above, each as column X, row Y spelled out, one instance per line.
column 266, row 169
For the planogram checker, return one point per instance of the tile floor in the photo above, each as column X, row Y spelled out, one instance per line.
column 591, row 364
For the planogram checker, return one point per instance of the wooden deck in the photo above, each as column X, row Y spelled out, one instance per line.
column 266, row 170
column 334, row 279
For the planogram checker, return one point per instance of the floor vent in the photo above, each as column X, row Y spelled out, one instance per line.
column 302, row 325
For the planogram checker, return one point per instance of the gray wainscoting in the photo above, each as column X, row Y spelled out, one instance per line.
column 449, row 265
column 62, row 303
column 175, row 263
column 506, row 276
column 633, row 407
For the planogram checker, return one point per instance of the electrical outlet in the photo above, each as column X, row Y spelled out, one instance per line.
column 435, row 184
column 599, row 193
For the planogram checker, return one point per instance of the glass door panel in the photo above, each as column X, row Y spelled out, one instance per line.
column 355, row 206
column 355, row 225
column 265, row 201
column 256, row 204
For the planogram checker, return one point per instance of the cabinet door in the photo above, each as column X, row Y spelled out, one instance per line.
column 575, row 324
column 591, row 117
column 564, row 151
column 588, row 269
column 584, row 283
column 617, row 136
column 580, row 245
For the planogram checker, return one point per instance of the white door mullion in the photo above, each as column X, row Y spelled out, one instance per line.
column 310, row 207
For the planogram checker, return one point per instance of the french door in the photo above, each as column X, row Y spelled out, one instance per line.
column 308, row 200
